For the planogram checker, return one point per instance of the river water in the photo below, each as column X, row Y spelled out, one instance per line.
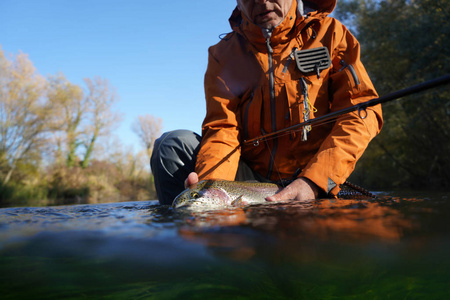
column 393, row 247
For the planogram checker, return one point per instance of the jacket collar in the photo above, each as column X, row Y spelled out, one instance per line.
column 281, row 33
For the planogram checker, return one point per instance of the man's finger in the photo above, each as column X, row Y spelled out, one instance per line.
column 282, row 195
column 191, row 179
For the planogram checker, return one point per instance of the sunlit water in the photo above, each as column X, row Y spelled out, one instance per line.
column 393, row 247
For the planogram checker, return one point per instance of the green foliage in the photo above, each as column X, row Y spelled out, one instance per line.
column 405, row 43
column 100, row 182
column 15, row 194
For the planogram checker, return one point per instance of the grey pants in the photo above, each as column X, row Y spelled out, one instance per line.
column 173, row 158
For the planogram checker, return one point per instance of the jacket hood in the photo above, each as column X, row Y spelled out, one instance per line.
column 323, row 6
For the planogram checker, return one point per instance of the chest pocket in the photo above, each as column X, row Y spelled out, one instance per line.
column 251, row 115
column 313, row 60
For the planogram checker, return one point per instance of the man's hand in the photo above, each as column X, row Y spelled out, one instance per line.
column 191, row 179
column 300, row 189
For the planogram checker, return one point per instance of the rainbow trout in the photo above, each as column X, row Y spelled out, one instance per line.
column 216, row 194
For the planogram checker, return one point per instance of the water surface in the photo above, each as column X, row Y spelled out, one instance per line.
column 387, row 248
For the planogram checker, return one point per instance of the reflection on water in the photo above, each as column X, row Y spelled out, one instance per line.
column 391, row 247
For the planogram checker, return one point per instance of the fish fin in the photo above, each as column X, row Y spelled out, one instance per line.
column 239, row 201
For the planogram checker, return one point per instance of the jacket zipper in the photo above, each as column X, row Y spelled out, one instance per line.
column 351, row 69
column 272, row 105
column 246, row 116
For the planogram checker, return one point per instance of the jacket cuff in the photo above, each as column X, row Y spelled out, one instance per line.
column 328, row 187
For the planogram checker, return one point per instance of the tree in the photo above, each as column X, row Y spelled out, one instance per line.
column 148, row 128
column 405, row 42
column 38, row 115
column 81, row 118
column 70, row 110
column 100, row 99
column 23, row 112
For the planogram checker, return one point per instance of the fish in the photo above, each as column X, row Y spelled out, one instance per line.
column 218, row 194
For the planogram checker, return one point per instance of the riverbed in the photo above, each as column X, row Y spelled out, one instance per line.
column 395, row 246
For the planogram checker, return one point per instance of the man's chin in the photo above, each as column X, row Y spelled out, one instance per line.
column 267, row 26
column 267, row 23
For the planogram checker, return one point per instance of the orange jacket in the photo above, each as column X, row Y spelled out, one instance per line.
column 250, row 91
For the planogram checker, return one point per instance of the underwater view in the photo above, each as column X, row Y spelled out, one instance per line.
column 395, row 246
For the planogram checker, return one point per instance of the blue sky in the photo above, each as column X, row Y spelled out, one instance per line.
column 153, row 52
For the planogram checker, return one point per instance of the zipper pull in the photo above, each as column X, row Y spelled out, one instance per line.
column 269, row 47
column 290, row 58
column 292, row 55
column 343, row 64
column 317, row 70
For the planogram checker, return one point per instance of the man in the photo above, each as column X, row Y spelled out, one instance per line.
column 259, row 80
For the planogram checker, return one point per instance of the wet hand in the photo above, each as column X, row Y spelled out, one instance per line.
column 191, row 179
column 300, row 189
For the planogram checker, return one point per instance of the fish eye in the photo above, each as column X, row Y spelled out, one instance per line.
column 195, row 195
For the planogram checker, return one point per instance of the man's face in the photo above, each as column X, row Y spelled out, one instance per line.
column 265, row 13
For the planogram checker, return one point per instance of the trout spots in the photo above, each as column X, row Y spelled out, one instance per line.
column 220, row 194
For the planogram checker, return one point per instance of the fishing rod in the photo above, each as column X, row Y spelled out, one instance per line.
column 361, row 107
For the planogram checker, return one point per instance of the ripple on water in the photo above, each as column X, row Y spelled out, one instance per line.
column 347, row 248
